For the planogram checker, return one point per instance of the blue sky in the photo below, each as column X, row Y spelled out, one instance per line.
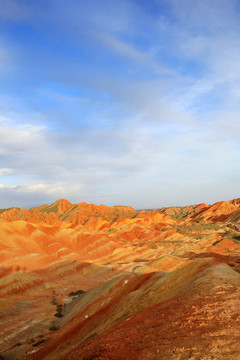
column 126, row 102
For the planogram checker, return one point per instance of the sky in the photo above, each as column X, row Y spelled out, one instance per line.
column 121, row 102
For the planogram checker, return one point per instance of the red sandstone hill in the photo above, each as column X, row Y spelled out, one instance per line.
column 80, row 281
column 63, row 211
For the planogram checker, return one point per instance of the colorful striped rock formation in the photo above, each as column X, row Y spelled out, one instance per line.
column 81, row 281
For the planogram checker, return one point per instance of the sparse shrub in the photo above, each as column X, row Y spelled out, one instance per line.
column 58, row 315
column 53, row 301
column 76, row 293
column 52, row 328
column 59, row 309
column 38, row 343
column 18, row 344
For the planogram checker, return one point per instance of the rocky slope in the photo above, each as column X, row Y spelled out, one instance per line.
column 81, row 281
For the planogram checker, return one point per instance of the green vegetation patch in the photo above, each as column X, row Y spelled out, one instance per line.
column 186, row 229
column 232, row 235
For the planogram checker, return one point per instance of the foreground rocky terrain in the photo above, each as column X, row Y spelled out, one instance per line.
column 80, row 281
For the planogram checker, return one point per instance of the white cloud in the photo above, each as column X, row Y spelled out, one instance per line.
column 6, row 171
column 32, row 194
column 20, row 138
column 56, row 189
column 142, row 58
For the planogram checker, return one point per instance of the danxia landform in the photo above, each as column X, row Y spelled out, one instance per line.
column 81, row 281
